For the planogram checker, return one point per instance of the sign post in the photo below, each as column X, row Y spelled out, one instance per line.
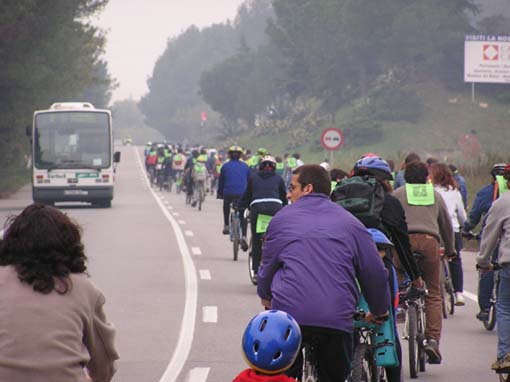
column 332, row 139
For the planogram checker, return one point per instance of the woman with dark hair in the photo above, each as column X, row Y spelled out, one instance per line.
column 444, row 183
column 52, row 319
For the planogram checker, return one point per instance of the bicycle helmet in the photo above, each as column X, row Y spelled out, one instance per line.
column 268, row 160
column 373, row 166
column 271, row 342
column 498, row 169
column 380, row 239
column 202, row 158
column 262, row 151
column 235, row 149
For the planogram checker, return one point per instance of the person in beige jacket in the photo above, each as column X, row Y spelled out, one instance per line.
column 428, row 223
column 52, row 323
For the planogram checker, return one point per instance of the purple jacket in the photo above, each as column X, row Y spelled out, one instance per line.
column 313, row 254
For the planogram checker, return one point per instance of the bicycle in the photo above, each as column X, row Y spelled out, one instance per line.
column 490, row 323
column 414, row 326
column 235, row 230
column 309, row 372
column 447, row 290
column 504, row 375
column 199, row 189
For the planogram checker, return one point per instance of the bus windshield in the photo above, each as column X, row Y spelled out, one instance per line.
column 73, row 139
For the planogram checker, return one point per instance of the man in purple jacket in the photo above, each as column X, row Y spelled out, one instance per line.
column 313, row 254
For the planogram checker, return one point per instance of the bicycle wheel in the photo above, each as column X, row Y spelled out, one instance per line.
column 309, row 371
column 364, row 368
column 422, row 356
column 253, row 275
column 236, row 240
column 200, row 197
column 490, row 324
column 413, row 340
column 450, row 297
column 444, row 307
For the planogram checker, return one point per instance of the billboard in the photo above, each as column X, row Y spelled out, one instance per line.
column 487, row 59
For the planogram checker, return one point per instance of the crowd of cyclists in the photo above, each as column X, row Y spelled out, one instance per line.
column 420, row 209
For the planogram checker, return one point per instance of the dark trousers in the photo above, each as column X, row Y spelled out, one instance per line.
column 456, row 265
column 486, row 284
column 333, row 353
column 227, row 201
column 270, row 209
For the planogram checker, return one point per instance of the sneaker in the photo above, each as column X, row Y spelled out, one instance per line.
column 483, row 315
column 432, row 349
column 194, row 203
column 502, row 363
column 459, row 299
column 244, row 244
column 226, row 230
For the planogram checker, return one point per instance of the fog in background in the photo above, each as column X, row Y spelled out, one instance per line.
column 138, row 31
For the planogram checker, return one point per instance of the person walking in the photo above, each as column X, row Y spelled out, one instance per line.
column 314, row 255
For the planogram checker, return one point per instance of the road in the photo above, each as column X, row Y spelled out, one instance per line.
column 179, row 302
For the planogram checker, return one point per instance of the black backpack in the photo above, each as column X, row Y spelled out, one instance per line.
column 362, row 196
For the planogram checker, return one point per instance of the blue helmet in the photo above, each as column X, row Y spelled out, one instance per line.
column 375, row 166
column 380, row 239
column 271, row 342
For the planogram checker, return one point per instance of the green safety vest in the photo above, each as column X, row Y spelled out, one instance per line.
column 254, row 161
column 292, row 162
column 502, row 184
column 420, row 194
column 262, row 223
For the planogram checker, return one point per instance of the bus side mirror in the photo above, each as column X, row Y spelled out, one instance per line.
column 28, row 131
column 116, row 157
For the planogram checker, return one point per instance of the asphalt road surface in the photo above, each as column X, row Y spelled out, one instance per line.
column 180, row 303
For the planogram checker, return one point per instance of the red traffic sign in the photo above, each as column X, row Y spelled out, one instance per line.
column 332, row 139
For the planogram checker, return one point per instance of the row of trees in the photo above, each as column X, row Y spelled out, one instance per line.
column 47, row 54
column 325, row 54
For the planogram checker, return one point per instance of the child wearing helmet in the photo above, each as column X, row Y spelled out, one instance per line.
column 271, row 342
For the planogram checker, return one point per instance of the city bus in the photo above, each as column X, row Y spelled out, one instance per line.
column 72, row 151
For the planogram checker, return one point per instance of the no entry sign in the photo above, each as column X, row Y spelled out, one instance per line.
column 332, row 139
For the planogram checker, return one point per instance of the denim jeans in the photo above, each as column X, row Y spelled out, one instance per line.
column 503, row 311
column 457, row 274
column 486, row 284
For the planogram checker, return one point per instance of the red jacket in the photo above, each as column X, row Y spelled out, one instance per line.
column 250, row 375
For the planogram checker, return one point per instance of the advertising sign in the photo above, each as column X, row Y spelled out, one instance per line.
column 487, row 59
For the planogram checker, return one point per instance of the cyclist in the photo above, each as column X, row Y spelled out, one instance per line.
column 314, row 252
column 231, row 186
column 428, row 222
column 150, row 162
column 178, row 164
column 481, row 205
column 265, row 195
column 393, row 216
column 199, row 176
column 497, row 228
column 254, row 160
column 188, row 178
column 271, row 342
column 461, row 182
column 444, row 183
column 399, row 177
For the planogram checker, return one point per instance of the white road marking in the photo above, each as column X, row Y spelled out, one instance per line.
column 210, row 314
column 470, row 295
column 182, row 222
column 187, row 329
column 198, row 374
column 188, row 233
column 196, row 251
column 175, row 213
column 170, row 207
column 166, row 202
column 205, row 274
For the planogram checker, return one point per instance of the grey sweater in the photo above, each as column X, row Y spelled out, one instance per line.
column 497, row 228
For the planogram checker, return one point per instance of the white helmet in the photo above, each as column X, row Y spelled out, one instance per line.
column 267, row 160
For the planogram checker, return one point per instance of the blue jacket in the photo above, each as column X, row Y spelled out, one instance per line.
column 264, row 185
column 233, row 178
column 312, row 256
column 481, row 205
column 399, row 179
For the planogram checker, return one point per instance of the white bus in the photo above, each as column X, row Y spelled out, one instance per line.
column 73, row 158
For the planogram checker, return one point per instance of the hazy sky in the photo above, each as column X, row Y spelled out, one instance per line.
column 139, row 29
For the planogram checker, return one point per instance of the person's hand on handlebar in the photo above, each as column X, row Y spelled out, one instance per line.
column 379, row 320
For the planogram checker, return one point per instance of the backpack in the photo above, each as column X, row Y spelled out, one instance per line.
column 199, row 171
column 362, row 196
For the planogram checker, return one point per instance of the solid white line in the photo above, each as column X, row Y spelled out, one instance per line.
column 182, row 222
column 198, row 374
column 196, row 251
column 188, row 233
column 187, row 329
column 210, row 314
column 470, row 295
column 205, row 274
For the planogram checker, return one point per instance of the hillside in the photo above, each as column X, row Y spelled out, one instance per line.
column 446, row 116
